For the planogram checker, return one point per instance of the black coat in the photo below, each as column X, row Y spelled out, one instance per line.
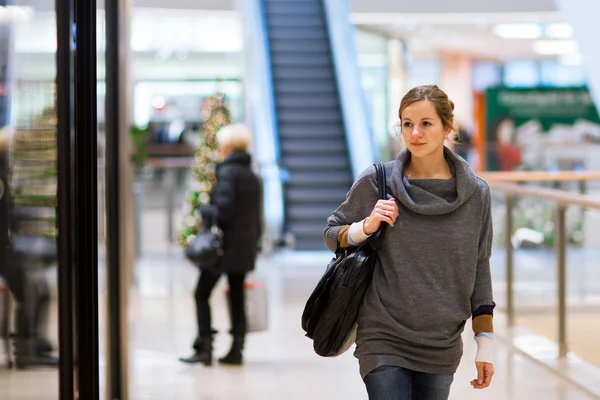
column 236, row 202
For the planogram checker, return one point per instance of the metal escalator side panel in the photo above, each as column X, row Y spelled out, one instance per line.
column 260, row 114
column 363, row 152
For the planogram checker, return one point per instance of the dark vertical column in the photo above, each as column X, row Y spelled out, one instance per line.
column 65, row 195
column 115, row 389
column 5, row 37
column 86, row 195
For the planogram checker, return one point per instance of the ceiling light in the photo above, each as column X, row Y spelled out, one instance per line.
column 518, row 31
column 16, row 13
column 559, row 31
column 555, row 47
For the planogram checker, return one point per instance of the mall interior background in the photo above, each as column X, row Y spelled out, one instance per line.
column 494, row 59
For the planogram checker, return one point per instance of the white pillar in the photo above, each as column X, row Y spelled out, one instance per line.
column 397, row 77
column 456, row 81
column 583, row 16
column 397, row 87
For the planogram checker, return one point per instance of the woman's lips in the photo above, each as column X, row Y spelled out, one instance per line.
column 417, row 144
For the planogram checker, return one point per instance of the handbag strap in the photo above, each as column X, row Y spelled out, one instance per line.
column 381, row 180
column 382, row 188
column 377, row 237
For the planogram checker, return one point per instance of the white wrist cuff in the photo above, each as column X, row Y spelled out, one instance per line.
column 356, row 233
column 485, row 350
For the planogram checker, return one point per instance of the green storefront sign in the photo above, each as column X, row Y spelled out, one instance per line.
column 541, row 129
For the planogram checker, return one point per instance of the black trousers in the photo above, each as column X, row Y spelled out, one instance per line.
column 204, row 288
column 30, row 288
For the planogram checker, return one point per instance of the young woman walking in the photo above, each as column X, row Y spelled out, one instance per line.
column 434, row 272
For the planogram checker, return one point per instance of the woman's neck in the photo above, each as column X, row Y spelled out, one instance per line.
column 433, row 166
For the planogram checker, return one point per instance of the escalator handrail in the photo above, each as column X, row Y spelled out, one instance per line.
column 353, row 103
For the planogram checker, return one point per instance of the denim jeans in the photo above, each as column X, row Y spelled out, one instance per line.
column 396, row 383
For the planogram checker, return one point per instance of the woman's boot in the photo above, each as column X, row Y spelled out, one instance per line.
column 234, row 357
column 203, row 351
column 26, row 355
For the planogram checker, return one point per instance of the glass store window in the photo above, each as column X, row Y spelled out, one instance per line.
column 522, row 73
column 373, row 64
column 550, row 73
column 38, row 150
column 486, row 74
column 28, row 199
column 556, row 74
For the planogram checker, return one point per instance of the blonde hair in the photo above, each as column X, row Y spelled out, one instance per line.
column 236, row 136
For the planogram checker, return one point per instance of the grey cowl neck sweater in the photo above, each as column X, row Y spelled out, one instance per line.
column 434, row 269
column 433, row 196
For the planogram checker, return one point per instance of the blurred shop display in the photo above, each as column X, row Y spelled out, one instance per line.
column 33, row 175
column 543, row 129
column 174, row 113
column 173, row 126
column 217, row 115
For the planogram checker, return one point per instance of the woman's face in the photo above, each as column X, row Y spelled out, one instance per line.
column 422, row 129
column 225, row 151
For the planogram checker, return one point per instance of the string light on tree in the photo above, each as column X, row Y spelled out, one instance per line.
column 216, row 116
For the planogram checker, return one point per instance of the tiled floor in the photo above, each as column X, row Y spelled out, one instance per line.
column 280, row 363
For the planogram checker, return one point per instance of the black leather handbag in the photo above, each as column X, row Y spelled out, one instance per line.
column 206, row 248
column 331, row 312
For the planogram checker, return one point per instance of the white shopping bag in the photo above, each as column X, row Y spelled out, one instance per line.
column 257, row 304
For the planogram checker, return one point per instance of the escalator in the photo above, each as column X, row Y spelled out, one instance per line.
column 312, row 141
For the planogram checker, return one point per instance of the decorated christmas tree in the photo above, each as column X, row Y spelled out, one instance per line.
column 216, row 115
column 34, row 181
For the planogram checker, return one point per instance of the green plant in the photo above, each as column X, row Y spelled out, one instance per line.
column 139, row 137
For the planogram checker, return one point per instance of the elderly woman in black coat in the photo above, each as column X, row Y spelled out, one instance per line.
column 236, row 206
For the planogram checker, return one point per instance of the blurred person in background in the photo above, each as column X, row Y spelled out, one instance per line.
column 27, row 283
column 434, row 273
column 464, row 143
column 236, row 202
column 505, row 155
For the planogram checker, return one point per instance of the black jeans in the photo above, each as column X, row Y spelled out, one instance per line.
column 204, row 288
column 395, row 383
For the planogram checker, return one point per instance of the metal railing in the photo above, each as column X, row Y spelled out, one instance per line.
column 508, row 183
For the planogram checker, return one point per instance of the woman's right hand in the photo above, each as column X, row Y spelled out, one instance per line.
column 384, row 211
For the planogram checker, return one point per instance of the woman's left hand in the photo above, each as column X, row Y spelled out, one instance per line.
column 485, row 371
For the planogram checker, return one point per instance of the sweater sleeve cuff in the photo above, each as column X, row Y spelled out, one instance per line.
column 356, row 233
column 331, row 236
column 485, row 348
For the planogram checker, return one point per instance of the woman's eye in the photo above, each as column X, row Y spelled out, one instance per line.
column 426, row 123
column 407, row 124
